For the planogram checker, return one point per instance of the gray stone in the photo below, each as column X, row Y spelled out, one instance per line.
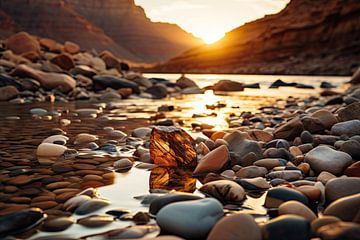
column 323, row 158
column 190, row 219
column 349, row 128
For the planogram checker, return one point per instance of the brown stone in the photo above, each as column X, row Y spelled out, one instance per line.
column 64, row 61
column 63, row 197
column 56, row 185
column 353, row 170
column 47, row 80
column 324, row 220
column 71, row 47
column 311, row 192
column 20, row 180
column 346, row 208
column 296, row 208
column 213, row 161
column 8, row 92
column 110, row 60
column 289, row 130
column 22, row 43
column 42, row 199
column 236, row 226
column 83, row 166
column 20, row 200
column 44, row 205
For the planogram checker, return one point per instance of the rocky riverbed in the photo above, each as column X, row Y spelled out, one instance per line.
column 107, row 168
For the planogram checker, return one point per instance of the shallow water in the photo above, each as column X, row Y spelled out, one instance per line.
column 20, row 133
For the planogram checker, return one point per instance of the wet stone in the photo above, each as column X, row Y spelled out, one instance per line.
column 236, row 226
column 194, row 218
column 91, row 206
column 162, row 201
column 341, row 187
column 346, row 208
column 276, row 196
column 225, row 191
column 95, row 221
column 20, row 221
column 57, row 224
column 287, row 227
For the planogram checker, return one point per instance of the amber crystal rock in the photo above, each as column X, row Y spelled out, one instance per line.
column 172, row 147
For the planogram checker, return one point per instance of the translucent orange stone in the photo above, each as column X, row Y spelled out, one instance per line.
column 172, row 147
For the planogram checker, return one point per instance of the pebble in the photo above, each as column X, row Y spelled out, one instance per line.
column 38, row 111
column 341, row 187
column 56, row 185
column 44, row 205
column 50, row 150
column 346, row 208
column 95, row 221
column 353, row 170
column 351, row 147
column 194, row 219
column 254, row 184
column 90, row 206
column 288, row 175
column 159, row 202
column 20, row 180
column 76, row 201
column 57, row 224
column 83, row 138
column 289, row 130
column 123, row 164
column 322, row 221
column 213, row 161
column 348, row 128
column 20, row 221
column 240, row 144
column 324, row 177
column 56, row 139
column 251, row 172
column 340, row 231
column 296, row 208
column 236, row 226
column 306, row 137
column 141, row 132
column 270, row 163
column 311, row 192
column 276, row 196
column 323, row 158
column 287, row 227
column 226, row 191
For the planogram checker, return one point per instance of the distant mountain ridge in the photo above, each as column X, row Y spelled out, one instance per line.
column 307, row 37
column 116, row 25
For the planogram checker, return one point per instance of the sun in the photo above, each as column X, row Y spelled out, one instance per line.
column 211, row 37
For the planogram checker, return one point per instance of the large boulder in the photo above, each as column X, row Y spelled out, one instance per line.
column 48, row 81
column 104, row 81
column 23, row 43
column 228, row 86
column 184, row 82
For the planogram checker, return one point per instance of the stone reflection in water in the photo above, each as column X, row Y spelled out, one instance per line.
column 172, row 147
column 178, row 179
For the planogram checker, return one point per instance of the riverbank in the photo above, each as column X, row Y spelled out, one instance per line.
column 255, row 161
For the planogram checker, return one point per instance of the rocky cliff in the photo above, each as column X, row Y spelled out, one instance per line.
column 116, row 25
column 307, row 37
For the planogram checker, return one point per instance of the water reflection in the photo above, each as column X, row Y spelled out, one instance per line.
column 172, row 179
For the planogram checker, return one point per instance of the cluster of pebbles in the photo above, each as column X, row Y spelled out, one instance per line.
column 299, row 161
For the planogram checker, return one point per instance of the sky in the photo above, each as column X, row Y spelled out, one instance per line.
column 209, row 19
